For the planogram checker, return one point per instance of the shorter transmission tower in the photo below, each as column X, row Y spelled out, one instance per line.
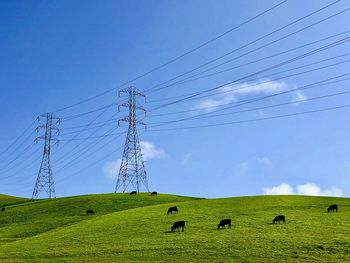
column 44, row 179
column 132, row 168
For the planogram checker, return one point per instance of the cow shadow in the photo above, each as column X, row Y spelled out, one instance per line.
column 169, row 232
column 221, row 229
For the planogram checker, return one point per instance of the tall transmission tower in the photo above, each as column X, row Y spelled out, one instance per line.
column 132, row 170
column 44, row 180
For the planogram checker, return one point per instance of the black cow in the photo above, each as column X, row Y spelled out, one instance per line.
column 172, row 209
column 3, row 209
column 279, row 219
column 153, row 193
column 133, row 193
column 224, row 223
column 177, row 225
column 90, row 212
column 332, row 208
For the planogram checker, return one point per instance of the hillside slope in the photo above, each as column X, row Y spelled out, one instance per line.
column 142, row 234
column 7, row 200
column 24, row 218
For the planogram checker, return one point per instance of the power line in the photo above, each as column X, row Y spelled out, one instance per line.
column 68, row 118
column 94, row 163
column 21, row 168
column 191, row 79
column 271, row 106
column 254, row 120
column 100, row 138
column 91, row 164
column 18, row 138
column 90, row 128
column 298, row 20
column 73, row 162
column 86, row 139
column 107, row 107
column 18, row 156
column 255, row 84
column 90, row 123
column 339, row 42
column 154, row 88
column 176, row 58
column 312, row 85
column 24, row 179
column 92, row 137
column 98, row 124
column 16, row 149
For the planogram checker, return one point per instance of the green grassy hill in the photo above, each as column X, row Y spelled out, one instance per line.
column 7, row 200
column 136, row 229
column 24, row 218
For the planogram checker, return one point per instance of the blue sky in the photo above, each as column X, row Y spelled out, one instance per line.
column 57, row 53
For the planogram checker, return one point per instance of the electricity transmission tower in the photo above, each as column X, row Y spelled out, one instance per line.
column 132, row 168
column 44, row 180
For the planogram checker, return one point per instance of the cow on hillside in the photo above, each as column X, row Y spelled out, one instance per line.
column 153, row 193
column 225, row 222
column 332, row 208
column 133, row 193
column 279, row 219
column 90, row 212
column 172, row 209
column 177, row 225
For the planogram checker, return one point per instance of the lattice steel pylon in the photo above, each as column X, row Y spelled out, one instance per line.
column 132, row 170
column 44, row 180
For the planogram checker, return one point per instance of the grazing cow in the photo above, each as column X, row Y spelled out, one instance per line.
column 172, row 209
column 279, row 219
column 3, row 209
column 153, row 193
column 133, row 193
column 332, row 208
column 224, row 222
column 90, row 212
column 177, row 225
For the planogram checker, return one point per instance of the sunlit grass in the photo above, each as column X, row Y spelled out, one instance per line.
column 143, row 234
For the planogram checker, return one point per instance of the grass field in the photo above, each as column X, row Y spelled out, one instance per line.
column 137, row 229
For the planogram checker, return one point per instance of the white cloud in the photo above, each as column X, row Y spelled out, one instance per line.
column 303, row 189
column 264, row 160
column 149, row 151
column 111, row 168
column 231, row 93
column 226, row 96
column 313, row 189
column 262, row 86
column 299, row 96
column 282, row 189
